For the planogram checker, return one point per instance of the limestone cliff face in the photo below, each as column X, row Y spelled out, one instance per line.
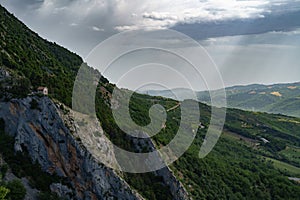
column 38, row 128
column 176, row 188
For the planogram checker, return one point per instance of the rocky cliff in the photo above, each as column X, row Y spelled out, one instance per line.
column 176, row 188
column 38, row 128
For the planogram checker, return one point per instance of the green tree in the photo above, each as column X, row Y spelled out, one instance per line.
column 49, row 196
column 17, row 190
column 3, row 192
column 3, row 169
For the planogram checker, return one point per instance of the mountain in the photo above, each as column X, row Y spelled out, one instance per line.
column 43, row 147
column 35, row 61
column 255, row 151
column 37, row 144
column 278, row 98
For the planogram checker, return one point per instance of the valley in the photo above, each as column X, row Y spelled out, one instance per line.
column 277, row 98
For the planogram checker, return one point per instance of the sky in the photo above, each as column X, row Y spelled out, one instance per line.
column 250, row 41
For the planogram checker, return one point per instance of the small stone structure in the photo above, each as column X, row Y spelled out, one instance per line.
column 42, row 90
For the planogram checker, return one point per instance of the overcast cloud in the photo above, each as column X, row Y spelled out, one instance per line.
column 253, row 54
column 259, row 58
column 81, row 24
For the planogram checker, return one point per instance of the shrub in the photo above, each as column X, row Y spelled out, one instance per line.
column 34, row 104
column 3, row 192
column 3, row 169
column 48, row 196
column 17, row 190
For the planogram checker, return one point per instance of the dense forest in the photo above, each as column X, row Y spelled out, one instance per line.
column 34, row 61
column 241, row 166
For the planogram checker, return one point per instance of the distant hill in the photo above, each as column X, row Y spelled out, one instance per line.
column 278, row 98
column 256, row 157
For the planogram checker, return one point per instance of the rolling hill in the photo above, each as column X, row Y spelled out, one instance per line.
column 278, row 98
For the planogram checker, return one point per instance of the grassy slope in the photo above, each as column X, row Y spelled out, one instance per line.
column 286, row 168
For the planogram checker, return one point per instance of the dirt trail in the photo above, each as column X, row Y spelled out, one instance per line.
column 174, row 107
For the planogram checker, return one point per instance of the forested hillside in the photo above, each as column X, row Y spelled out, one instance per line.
column 254, row 158
column 35, row 61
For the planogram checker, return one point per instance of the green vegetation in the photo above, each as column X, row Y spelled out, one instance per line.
column 48, row 196
column 149, row 185
column 3, row 193
column 279, row 98
column 291, row 153
column 3, row 169
column 17, row 190
column 284, row 167
column 22, row 166
column 35, row 61
column 235, row 169
column 34, row 104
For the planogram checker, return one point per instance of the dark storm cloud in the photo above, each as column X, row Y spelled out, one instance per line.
column 271, row 22
column 81, row 24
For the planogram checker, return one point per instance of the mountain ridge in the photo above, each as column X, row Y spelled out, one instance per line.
column 280, row 98
column 27, row 62
column 248, row 162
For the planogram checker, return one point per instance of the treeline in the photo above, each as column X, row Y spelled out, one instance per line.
column 37, row 61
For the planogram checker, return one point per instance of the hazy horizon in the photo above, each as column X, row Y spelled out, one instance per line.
column 245, row 85
column 250, row 42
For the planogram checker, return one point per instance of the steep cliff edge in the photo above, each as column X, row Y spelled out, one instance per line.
column 37, row 127
column 49, row 135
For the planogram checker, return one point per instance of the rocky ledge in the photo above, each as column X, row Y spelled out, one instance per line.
column 38, row 128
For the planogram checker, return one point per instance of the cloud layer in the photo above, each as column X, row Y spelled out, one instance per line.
column 80, row 25
column 133, row 14
column 87, row 22
column 124, row 14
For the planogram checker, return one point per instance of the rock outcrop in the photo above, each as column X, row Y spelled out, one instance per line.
column 176, row 188
column 38, row 128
